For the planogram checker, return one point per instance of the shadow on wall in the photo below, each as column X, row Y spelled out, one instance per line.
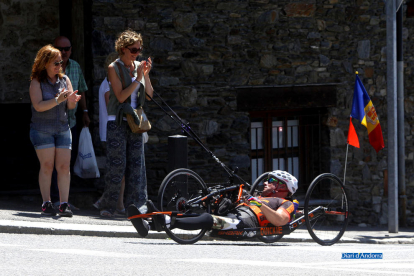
column 18, row 160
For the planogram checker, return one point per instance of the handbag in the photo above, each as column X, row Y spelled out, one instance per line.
column 144, row 124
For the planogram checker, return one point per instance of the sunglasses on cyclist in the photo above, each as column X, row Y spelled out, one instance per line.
column 278, row 184
column 57, row 63
column 66, row 49
column 135, row 50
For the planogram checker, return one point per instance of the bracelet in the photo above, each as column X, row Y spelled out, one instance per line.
column 137, row 81
column 57, row 103
column 85, row 110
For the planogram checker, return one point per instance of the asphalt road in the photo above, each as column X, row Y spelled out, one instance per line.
column 80, row 255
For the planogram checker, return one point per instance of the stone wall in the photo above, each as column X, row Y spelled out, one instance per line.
column 25, row 27
column 203, row 49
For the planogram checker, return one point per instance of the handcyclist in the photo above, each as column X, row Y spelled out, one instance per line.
column 271, row 207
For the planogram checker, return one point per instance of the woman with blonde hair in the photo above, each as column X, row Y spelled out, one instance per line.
column 125, row 150
column 52, row 95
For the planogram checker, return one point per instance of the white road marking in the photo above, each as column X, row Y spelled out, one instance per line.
column 91, row 253
column 392, row 265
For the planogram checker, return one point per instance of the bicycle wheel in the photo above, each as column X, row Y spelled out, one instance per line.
column 175, row 194
column 256, row 190
column 327, row 225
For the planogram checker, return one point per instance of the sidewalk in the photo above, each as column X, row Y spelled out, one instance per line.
column 22, row 217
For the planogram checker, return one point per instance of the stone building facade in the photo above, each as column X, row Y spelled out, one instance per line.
column 206, row 51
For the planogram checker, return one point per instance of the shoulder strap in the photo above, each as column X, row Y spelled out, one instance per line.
column 121, row 74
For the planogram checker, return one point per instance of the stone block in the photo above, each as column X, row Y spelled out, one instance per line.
column 376, row 208
column 323, row 60
column 300, row 9
column 209, row 127
column 161, row 44
column 167, row 81
column 184, row 22
column 364, row 48
column 376, row 199
column 115, row 23
column 234, row 39
column 188, row 97
column 268, row 17
column 206, row 69
column 303, row 68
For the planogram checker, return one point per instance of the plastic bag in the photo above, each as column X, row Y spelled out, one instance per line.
column 85, row 165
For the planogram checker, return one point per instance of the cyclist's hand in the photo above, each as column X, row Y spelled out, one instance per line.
column 254, row 201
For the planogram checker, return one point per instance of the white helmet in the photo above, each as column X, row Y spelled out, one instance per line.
column 285, row 177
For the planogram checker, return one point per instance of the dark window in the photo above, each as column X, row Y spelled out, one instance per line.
column 288, row 141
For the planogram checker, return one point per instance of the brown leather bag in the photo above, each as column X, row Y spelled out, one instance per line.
column 144, row 124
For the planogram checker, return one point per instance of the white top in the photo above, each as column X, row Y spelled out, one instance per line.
column 103, row 113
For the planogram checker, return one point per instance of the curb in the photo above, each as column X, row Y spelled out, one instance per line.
column 117, row 231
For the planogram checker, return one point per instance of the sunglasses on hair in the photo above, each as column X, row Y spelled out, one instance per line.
column 57, row 63
column 135, row 50
column 63, row 48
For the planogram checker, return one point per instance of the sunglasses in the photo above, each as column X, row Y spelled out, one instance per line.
column 57, row 63
column 66, row 49
column 135, row 50
column 277, row 183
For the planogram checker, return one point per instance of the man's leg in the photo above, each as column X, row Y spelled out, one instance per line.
column 204, row 221
column 191, row 223
column 225, row 223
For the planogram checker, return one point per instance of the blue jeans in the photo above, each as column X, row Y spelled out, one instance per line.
column 44, row 140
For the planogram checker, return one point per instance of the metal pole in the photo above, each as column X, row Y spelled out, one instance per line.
column 400, row 112
column 391, row 117
column 346, row 161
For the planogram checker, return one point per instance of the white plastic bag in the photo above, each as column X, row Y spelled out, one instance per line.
column 85, row 165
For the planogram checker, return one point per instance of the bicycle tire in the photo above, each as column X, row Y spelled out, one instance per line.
column 255, row 191
column 328, row 191
column 177, row 188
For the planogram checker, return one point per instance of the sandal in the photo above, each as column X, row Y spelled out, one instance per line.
column 97, row 204
column 120, row 212
column 105, row 213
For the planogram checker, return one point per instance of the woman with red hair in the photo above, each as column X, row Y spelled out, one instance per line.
column 52, row 95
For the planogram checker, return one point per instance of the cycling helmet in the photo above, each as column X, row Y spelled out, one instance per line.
column 290, row 181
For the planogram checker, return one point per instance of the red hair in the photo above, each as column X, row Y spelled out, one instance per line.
column 45, row 55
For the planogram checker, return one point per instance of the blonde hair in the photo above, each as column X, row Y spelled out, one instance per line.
column 127, row 38
column 109, row 59
column 44, row 56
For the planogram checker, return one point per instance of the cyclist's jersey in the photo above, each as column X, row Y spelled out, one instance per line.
column 276, row 202
column 252, row 216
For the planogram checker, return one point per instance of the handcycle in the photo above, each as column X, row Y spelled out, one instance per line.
column 183, row 193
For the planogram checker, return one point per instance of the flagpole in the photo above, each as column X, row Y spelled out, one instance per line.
column 346, row 161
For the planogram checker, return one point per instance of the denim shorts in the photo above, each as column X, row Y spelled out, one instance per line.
column 44, row 140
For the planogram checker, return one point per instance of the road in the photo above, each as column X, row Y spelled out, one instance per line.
column 79, row 255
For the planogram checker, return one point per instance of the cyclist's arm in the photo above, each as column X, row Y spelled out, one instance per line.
column 279, row 217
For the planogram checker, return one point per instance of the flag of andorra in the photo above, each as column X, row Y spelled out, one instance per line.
column 364, row 111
